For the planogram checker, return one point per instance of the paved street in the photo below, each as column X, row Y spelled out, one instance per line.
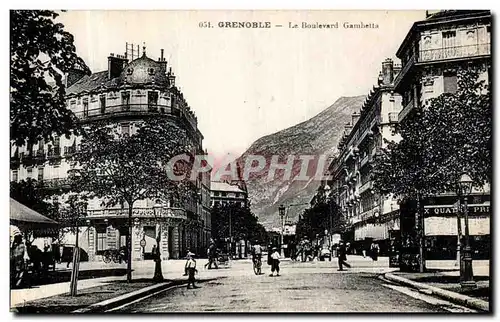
column 311, row 286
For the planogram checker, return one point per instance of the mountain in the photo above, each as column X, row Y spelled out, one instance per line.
column 316, row 137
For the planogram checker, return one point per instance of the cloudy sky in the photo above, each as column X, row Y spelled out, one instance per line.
column 246, row 83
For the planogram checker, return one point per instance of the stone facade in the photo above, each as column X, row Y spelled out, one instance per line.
column 369, row 215
column 125, row 94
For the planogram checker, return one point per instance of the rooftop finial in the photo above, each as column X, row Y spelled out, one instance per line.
column 144, row 49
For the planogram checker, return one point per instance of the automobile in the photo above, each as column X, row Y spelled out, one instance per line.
column 325, row 253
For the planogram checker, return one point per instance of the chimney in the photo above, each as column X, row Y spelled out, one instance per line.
column 162, row 62
column 116, row 65
column 73, row 76
column 171, row 77
column 355, row 117
column 387, row 72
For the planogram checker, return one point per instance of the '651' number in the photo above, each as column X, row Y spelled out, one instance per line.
column 205, row 24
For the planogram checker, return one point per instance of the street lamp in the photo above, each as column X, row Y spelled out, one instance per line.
column 158, row 276
column 464, row 188
column 282, row 213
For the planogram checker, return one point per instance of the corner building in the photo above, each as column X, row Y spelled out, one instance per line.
column 125, row 94
column 431, row 54
column 370, row 216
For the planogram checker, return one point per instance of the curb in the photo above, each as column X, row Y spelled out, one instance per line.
column 457, row 298
column 128, row 297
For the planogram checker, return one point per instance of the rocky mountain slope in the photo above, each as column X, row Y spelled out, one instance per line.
column 316, row 136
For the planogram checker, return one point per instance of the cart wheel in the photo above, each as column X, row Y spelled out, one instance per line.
column 106, row 257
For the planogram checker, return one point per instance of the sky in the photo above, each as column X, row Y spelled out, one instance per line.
column 246, row 83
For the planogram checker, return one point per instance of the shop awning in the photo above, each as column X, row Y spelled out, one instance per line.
column 26, row 218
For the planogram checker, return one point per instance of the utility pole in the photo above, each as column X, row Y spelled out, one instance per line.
column 457, row 206
column 419, row 229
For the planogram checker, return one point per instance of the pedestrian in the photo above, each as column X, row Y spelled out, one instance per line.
column 374, row 250
column 212, row 256
column 191, row 269
column 186, row 271
column 342, row 256
column 275, row 262
column 269, row 253
column 18, row 265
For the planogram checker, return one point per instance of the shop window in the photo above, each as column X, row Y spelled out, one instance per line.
column 102, row 242
column 15, row 175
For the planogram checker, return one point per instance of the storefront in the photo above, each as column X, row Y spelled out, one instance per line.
column 108, row 230
column 440, row 227
column 375, row 229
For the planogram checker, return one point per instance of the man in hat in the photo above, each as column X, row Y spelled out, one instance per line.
column 342, row 256
column 275, row 262
column 191, row 269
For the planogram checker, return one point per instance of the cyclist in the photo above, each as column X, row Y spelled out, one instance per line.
column 256, row 253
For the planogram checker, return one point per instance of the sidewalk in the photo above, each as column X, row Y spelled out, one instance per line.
column 20, row 296
column 443, row 280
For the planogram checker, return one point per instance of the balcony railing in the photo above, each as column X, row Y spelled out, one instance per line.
column 406, row 67
column 165, row 212
column 366, row 186
column 364, row 160
column 127, row 109
column 455, row 52
column 406, row 110
column 393, row 117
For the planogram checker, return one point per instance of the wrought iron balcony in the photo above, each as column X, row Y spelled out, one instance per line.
column 455, row 52
column 406, row 110
column 140, row 109
column 143, row 212
column 406, row 68
column 365, row 160
column 365, row 187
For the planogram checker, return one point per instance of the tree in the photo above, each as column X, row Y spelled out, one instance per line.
column 41, row 52
column 450, row 136
column 122, row 169
column 324, row 215
column 236, row 221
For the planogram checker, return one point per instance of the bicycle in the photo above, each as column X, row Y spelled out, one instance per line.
column 257, row 265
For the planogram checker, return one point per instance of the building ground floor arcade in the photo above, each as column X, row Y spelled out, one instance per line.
column 108, row 230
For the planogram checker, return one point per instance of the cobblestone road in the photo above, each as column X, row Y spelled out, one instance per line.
column 306, row 287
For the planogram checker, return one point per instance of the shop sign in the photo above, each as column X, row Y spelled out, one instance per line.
column 452, row 209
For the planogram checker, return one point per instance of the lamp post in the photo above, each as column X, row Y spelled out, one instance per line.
column 328, row 192
column 158, row 276
column 464, row 188
column 282, row 213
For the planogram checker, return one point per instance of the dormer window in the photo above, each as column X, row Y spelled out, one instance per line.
column 151, row 71
column 129, row 71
